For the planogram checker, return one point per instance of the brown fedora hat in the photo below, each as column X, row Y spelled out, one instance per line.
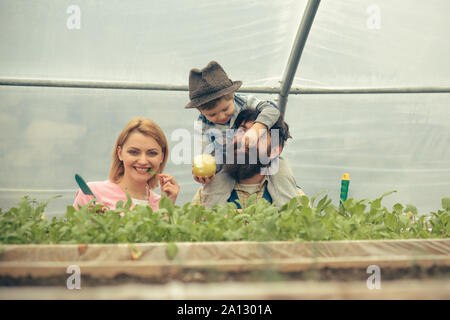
column 208, row 84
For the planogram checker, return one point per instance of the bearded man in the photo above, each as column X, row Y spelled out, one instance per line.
column 248, row 171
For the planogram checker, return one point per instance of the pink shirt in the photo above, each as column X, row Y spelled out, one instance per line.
column 108, row 193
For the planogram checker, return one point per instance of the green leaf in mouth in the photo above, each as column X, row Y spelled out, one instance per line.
column 150, row 170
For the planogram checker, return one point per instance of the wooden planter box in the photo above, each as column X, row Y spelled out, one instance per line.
column 287, row 264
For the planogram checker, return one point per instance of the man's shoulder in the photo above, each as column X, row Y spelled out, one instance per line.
column 198, row 197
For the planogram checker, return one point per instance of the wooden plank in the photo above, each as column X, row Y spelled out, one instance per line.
column 402, row 289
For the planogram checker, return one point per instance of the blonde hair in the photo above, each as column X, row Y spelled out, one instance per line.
column 146, row 127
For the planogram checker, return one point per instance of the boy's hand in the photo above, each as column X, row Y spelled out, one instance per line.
column 252, row 135
column 203, row 180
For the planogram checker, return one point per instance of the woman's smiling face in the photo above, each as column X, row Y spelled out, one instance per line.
column 139, row 153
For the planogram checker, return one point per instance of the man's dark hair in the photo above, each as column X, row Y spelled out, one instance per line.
column 251, row 114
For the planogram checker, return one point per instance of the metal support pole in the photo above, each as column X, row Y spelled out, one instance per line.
column 392, row 90
column 115, row 85
column 296, row 52
column 89, row 84
column 121, row 85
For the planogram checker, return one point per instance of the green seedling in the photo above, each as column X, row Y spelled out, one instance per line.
column 298, row 220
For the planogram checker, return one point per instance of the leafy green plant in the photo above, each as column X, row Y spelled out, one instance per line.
column 301, row 219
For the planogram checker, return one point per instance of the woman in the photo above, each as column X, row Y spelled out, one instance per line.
column 138, row 160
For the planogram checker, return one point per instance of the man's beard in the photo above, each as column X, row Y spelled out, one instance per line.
column 242, row 171
column 239, row 171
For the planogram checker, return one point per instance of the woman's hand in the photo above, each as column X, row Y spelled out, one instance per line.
column 169, row 185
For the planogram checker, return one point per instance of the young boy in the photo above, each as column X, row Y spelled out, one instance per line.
column 213, row 94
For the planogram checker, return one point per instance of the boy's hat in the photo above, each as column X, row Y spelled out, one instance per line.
column 208, row 84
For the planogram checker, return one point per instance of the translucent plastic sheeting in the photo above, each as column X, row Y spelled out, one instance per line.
column 369, row 43
column 351, row 43
column 385, row 142
column 152, row 41
column 49, row 134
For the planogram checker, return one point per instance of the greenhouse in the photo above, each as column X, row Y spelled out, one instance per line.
column 362, row 85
